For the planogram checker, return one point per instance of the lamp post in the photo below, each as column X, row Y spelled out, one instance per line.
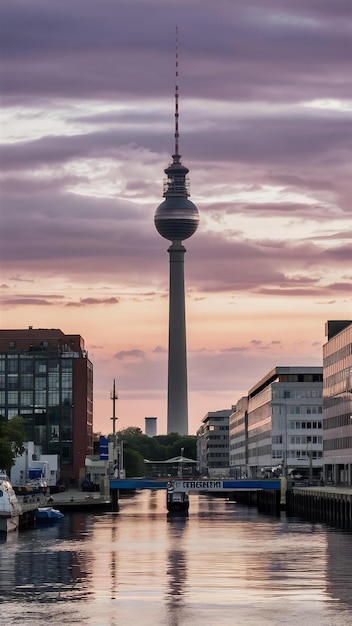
column 114, row 396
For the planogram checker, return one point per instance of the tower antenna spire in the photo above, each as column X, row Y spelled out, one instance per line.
column 176, row 97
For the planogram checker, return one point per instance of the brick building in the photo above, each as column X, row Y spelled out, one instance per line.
column 47, row 378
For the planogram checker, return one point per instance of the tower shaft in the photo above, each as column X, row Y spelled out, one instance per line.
column 177, row 408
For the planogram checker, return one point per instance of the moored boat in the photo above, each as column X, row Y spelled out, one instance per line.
column 10, row 509
column 48, row 514
column 176, row 501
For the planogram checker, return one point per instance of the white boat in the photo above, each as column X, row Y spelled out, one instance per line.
column 176, row 501
column 48, row 514
column 10, row 508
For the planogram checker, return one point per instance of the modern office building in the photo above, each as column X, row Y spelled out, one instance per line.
column 213, row 444
column 337, row 402
column 47, row 378
column 279, row 426
column 238, row 443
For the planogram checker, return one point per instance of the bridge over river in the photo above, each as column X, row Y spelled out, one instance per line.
column 269, row 488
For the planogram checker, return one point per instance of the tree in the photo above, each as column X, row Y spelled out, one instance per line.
column 12, row 436
column 134, row 463
column 158, row 448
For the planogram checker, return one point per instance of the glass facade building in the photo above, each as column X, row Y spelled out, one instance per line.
column 47, row 378
column 337, row 402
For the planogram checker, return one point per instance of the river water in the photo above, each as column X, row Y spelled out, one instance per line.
column 224, row 564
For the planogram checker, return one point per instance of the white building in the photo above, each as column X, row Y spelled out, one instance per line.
column 34, row 465
column 279, row 428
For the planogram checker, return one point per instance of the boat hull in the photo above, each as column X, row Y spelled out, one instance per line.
column 177, row 501
column 48, row 515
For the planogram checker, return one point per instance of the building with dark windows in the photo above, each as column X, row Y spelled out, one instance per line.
column 47, row 378
column 337, row 402
column 213, row 444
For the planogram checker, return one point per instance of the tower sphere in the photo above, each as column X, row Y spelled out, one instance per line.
column 176, row 218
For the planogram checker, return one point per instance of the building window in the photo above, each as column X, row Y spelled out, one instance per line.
column 53, row 398
column 12, row 364
column 40, row 384
column 27, row 382
column 26, row 398
column 12, row 382
column 12, row 397
column 40, row 398
column 26, row 365
column 40, row 366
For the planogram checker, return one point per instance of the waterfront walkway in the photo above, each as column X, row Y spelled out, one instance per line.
column 75, row 499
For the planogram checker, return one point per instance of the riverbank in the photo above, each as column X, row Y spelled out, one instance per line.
column 78, row 500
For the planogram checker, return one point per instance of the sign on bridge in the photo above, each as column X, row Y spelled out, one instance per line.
column 199, row 485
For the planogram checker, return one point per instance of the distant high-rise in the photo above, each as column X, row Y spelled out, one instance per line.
column 150, row 426
column 177, row 219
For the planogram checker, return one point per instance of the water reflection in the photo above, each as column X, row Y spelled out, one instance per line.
column 176, row 572
column 37, row 566
column 139, row 565
column 339, row 559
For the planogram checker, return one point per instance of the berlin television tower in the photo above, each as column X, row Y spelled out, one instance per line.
column 177, row 219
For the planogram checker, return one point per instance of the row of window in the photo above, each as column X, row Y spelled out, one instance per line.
column 337, row 421
column 303, row 440
column 29, row 382
column 218, row 455
column 304, row 425
column 23, row 364
column 339, row 355
column 301, row 378
column 341, row 443
column 298, row 454
column 338, row 377
column 301, row 409
column 296, row 393
column 37, row 398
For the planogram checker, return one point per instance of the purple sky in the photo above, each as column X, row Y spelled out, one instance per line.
column 87, row 129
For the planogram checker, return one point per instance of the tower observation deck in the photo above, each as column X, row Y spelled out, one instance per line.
column 176, row 219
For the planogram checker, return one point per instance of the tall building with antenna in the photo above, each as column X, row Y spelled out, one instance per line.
column 177, row 219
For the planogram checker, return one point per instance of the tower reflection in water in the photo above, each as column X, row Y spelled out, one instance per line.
column 177, row 570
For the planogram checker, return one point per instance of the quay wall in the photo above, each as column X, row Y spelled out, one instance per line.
column 265, row 500
column 331, row 506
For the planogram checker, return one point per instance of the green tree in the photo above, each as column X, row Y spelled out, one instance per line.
column 12, row 436
column 134, row 463
column 158, row 448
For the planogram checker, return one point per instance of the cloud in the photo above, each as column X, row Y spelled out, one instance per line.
column 265, row 118
column 93, row 301
column 129, row 354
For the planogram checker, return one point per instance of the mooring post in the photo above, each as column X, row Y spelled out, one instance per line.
column 114, row 500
